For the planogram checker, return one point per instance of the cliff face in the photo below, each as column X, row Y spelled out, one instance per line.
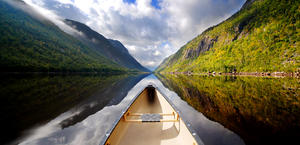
column 263, row 36
column 205, row 44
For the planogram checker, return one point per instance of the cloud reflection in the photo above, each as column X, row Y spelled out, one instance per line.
column 91, row 130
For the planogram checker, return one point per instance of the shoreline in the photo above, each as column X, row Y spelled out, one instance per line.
column 72, row 73
column 257, row 74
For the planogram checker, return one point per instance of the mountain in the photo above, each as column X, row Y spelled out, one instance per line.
column 31, row 43
column 262, row 37
column 112, row 49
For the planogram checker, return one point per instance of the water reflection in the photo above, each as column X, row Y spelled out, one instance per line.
column 112, row 94
column 82, row 109
column 260, row 110
column 28, row 101
column 93, row 128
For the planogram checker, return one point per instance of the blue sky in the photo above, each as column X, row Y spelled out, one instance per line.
column 154, row 3
column 150, row 29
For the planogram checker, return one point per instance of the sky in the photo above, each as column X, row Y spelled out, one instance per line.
column 150, row 29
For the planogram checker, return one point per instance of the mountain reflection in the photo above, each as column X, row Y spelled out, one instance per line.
column 112, row 94
column 261, row 110
column 32, row 100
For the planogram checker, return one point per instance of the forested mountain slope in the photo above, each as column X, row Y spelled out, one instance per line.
column 30, row 43
column 112, row 49
column 262, row 37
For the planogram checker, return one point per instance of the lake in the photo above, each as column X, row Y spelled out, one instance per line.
column 80, row 109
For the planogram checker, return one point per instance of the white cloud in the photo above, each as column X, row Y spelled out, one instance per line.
column 150, row 34
column 50, row 15
column 65, row 1
column 156, row 53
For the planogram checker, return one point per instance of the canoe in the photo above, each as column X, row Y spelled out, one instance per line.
column 151, row 119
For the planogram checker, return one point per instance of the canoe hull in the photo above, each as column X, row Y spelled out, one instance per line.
column 151, row 120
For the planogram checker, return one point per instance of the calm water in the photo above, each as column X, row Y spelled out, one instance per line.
column 80, row 109
column 260, row 110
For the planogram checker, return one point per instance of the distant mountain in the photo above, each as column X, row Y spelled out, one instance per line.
column 263, row 36
column 31, row 43
column 112, row 49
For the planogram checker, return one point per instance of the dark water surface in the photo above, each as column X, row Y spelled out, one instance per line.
column 260, row 110
column 29, row 102
column 80, row 109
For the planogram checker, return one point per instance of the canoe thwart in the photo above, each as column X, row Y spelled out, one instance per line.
column 151, row 117
column 140, row 114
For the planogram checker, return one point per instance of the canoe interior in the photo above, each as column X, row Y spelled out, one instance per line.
column 130, row 130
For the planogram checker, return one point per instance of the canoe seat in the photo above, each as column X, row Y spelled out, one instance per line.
column 151, row 117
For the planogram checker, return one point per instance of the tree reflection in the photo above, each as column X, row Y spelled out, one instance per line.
column 261, row 110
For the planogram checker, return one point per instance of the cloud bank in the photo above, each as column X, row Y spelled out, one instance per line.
column 150, row 29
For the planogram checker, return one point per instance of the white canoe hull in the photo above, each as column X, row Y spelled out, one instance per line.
column 151, row 120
